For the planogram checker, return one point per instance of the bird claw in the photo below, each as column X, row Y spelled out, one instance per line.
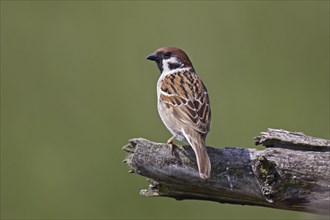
column 171, row 145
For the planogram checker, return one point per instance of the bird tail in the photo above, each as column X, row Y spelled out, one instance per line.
column 197, row 142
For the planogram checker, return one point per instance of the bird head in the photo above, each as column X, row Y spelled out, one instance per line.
column 170, row 58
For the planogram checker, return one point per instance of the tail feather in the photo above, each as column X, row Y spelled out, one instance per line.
column 197, row 143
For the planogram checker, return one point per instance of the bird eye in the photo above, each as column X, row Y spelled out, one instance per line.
column 167, row 55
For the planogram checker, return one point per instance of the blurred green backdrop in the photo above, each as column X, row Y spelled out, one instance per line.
column 75, row 86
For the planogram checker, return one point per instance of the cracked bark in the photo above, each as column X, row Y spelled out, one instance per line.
column 292, row 173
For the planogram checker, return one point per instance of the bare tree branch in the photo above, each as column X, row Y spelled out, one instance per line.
column 291, row 140
column 297, row 178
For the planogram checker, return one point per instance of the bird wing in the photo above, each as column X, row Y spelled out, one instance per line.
column 187, row 96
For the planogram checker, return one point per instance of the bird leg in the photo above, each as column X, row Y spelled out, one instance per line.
column 171, row 144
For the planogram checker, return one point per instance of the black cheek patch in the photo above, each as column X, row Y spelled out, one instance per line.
column 173, row 66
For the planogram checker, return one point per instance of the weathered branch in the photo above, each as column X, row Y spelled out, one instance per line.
column 294, row 179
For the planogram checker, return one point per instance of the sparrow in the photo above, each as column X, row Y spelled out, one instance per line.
column 183, row 103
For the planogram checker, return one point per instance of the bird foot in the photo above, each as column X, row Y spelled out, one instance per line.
column 171, row 145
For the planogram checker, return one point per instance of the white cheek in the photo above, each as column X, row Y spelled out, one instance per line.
column 166, row 63
column 165, row 66
column 173, row 60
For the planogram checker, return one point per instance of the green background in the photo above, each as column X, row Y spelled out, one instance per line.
column 75, row 86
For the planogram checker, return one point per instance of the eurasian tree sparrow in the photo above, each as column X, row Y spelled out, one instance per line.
column 183, row 103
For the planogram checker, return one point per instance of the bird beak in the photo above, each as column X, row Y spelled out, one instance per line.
column 152, row 56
